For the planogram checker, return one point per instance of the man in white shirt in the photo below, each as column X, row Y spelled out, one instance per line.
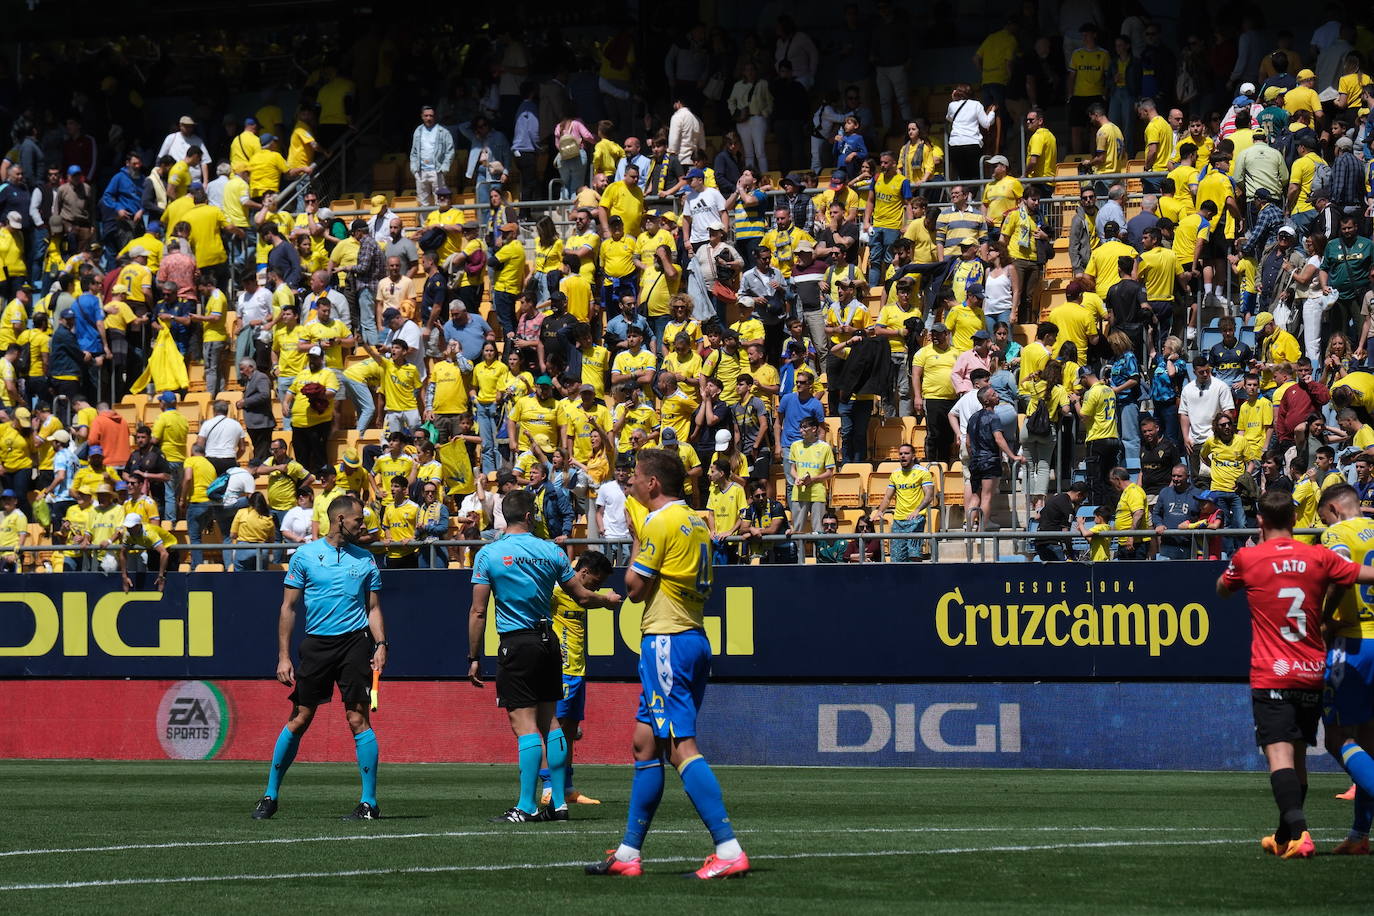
column 1199, row 403
column 182, row 139
column 431, row 155
column 965, row 408
column 241, row 483
column 214, row 191
column 611, row 521
column 222, row 438
column 686, row 135
column 252, row 313
column 704, row 206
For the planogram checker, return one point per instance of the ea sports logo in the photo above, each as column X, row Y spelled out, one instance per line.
column 192, row 720
column 1281, row 667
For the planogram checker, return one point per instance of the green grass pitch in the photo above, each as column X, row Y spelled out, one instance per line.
column 821, row 840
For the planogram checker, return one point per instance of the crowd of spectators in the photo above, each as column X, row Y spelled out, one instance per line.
column 693, row 300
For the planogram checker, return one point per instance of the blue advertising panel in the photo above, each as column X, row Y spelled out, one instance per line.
column 1075, row 726
column 880, row 622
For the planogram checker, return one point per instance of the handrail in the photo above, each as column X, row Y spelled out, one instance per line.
column 934, row 537
column 337, row 154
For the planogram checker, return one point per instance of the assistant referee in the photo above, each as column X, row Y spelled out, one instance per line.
column 344, row 643
column 520, row 571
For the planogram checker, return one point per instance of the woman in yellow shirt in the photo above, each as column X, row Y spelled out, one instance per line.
column 1350, row 87
column 490, row 378
column 548, row 255
column 252, row 524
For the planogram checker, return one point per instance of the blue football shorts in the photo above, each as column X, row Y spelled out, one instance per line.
column 574, row 702
column 672, row 673
column 1348, row 692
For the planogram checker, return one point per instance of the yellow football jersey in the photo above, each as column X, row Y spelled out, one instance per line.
column 1354, row 540
column 570, row 625
column 675, row 548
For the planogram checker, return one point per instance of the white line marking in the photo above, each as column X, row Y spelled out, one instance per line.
column 270, row 841
column 523, row 866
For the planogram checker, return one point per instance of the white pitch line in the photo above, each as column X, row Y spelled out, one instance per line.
column 524, row 866
column 269, row 841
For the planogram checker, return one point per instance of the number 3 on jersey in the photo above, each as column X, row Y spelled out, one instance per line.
column 1296, row 614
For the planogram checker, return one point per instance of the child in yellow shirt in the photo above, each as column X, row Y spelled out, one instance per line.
column 1099, row 545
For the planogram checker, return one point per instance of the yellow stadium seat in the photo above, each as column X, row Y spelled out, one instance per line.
column 877, row 482
column 953, row 485
column 832, row 431
column 849, row 485
column 885, row 437
column 343, row 203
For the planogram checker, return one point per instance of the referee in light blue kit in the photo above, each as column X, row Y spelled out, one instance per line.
column 344, row 643
column 520, row 570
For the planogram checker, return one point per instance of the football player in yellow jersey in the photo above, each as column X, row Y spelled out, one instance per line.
column 570, row 626
column 672, row 576
column 1348, row 693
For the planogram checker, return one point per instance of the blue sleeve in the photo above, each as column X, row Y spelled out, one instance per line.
column 295, row 571
column 374, row 578
column 479, row 568
column 906, row 190
column 565, row 570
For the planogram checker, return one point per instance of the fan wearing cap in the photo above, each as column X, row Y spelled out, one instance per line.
column 1303, row 97
column 449, row 219
column 533, row 414
column 266, row 168
column 312, row 411
column 509, row 258
column 142, row 539
column 104, row 525
column 151, row 242
column 14, row 531
column 244, row 146
column 137, row 278
column 12, row 254
column 1002, row 194
column 1301, row 178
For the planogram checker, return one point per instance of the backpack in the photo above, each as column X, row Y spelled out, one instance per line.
column 569, row 147
column 1038, row 422
column 1321, row 180
column 217, row 488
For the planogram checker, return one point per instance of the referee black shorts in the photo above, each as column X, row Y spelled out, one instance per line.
column 1287, row 716
column 345, row 660
column 529, row 669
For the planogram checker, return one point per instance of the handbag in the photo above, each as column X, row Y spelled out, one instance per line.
column 724, row 292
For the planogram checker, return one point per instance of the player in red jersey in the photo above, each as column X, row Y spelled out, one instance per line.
column 1285, row 582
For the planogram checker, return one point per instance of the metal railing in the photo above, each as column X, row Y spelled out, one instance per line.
column 1021, row 543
